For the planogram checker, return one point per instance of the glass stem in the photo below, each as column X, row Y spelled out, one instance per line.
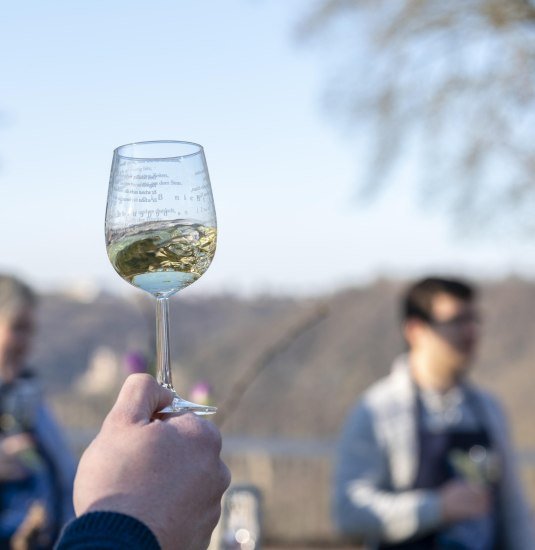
column 162, row 343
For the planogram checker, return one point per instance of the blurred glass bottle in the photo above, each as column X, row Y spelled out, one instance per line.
column 478, row 465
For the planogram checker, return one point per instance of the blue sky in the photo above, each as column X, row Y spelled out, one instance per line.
column 81, row 78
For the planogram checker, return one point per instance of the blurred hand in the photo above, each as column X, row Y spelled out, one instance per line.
column 29, row 530
column 12, row 466
column 461, row 500
column 165, row 472
column 17, row 443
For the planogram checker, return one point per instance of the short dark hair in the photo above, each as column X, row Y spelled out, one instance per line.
column 418, row 299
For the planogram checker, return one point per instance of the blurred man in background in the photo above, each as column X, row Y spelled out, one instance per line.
column 36, row 467
column 425, row 460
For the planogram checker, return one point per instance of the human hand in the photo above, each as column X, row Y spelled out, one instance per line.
column 12, row 449
column 462, row 500
column 31, row 529
column 164, row 472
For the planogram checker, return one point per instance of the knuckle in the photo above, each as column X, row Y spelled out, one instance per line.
column 215, row 436
column 139, row 380
column 199, row 428
column 216, row 514
column 226, row 476
column 135, row 385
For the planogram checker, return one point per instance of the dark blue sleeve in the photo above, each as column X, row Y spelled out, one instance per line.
column 107, row 531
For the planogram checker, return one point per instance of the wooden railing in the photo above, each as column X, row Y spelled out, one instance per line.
column 294, row 480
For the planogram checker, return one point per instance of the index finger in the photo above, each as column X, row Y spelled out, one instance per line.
column 140, row 398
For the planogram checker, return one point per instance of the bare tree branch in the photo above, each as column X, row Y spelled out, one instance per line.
column 457, row 77
column 264, row 358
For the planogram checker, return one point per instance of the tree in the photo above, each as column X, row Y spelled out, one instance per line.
column 451, row 82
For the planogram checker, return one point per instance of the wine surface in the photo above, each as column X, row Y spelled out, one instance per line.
column 162, row 257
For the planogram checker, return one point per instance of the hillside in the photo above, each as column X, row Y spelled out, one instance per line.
column 306, row 389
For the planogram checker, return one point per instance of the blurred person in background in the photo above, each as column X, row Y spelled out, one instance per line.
column 36, row 467
column 425, row 460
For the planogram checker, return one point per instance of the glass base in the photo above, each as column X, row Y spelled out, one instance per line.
column 180, row 405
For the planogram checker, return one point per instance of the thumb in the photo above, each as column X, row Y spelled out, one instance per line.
column 139, row 399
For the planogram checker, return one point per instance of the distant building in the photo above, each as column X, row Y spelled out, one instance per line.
column 84, row 291
column 104, row 373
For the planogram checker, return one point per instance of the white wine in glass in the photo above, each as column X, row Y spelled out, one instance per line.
column 161, row 230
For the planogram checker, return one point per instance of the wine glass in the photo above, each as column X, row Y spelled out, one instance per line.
column 161, row 231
